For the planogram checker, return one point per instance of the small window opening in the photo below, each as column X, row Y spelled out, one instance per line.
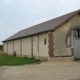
column 76, row 33
column 45, row 41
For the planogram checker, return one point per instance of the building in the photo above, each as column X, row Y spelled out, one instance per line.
column 53, row 38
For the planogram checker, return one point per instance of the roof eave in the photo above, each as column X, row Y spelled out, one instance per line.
column 28, row 35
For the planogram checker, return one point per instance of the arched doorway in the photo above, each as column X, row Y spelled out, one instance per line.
column 73, row 41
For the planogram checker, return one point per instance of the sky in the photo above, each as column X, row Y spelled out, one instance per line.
column 16, row 15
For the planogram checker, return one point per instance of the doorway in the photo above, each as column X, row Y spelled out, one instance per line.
column 76, row 43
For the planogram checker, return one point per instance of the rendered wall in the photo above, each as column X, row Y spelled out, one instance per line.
column 60, row 48
column 43, row 48
column 75, row 21
column 17, row 46
column 10, row 47
column 39, row 49
column 5, row 47
column 26, row 46
column 35, row 46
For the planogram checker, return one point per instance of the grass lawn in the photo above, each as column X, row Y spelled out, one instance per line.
column 6, row 60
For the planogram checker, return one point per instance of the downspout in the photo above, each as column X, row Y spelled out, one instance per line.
column 7, row 47
column 21, row 48
column 13, row 46
column 72, row 43
column 38, row 45
column 3, row 46
column 32, row 47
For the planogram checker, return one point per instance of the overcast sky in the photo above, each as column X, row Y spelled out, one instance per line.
column 16, row 15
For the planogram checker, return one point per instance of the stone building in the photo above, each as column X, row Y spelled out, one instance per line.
column 57, row 37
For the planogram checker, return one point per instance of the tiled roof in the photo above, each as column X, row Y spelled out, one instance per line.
column 43, row 27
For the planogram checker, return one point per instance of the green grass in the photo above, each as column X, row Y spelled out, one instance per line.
column 6, row 60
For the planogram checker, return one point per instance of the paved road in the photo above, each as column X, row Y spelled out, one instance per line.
column 52, row 70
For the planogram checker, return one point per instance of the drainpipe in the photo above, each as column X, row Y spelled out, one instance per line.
column 38, row 45
column 13, row 46
column 7, row 47
column 21, row 48
column 72, row 44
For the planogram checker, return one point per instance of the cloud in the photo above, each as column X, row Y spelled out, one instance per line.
column 8, row 2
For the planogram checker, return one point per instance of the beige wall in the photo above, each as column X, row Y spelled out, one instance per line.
column 35, row 46
column 5, row 47
column 17, row 46
column 75, row 21
column 43, row 49
column 26, row 46
column 60, row 48
column 10, row 47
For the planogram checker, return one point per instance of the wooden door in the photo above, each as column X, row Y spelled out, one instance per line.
column 76, row 48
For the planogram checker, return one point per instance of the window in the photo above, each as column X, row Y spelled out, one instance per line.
column 76, row 33
column 45, row 41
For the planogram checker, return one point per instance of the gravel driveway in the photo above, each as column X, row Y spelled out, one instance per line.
column 51, row 70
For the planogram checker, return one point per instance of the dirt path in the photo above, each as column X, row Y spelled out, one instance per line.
column 52, row 70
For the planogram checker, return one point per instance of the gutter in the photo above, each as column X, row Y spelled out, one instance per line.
column 27, row 35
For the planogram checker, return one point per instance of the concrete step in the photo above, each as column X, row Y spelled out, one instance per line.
column 61, row 59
